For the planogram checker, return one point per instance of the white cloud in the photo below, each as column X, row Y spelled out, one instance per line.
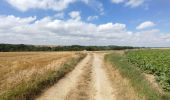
column 135, row 3
column 117, row 1
column 59, row 15
column 75, row 15
column 8, row 22
column 50, row 30
column 145, row 24
column 90, row 18
column 112, row 27
column 24, row 5
column 56, row 5
column 95, row 4
column 131, row 3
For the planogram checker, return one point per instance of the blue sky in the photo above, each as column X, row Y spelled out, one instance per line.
column 85, row 22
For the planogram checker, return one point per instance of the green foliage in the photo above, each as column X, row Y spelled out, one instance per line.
column 136, row 78
column 156, row 62
column 23, row 47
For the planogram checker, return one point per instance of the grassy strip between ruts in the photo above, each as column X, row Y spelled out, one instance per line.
column 137, row 80
column 29, row 90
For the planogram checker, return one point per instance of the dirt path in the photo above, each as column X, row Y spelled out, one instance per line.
column 90, row 80
column 101, row 82
column 83, row 90
column 60, row 90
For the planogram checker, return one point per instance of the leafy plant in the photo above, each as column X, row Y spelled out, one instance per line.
column 156, row 62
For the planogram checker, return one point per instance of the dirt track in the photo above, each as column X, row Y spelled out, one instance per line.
column 101, row 81
column 88, row 81
column 60, row 90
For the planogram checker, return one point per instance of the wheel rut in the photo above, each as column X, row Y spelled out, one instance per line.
column 88, row 81
column 101, row 82
column 61, row 89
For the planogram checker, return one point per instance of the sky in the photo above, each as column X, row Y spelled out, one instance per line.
column 86, row 22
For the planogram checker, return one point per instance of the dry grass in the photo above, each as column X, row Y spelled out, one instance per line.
column 151, row 79
column 124, row 90
column 17, row 68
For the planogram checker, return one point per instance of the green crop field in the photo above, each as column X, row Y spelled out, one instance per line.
column 156, row 62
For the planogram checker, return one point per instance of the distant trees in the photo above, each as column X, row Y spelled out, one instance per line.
column 23, row 47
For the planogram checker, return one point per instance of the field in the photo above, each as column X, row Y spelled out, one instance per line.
column 132, row 65
column 156, row 62
column 85, row 75
column 19, row 70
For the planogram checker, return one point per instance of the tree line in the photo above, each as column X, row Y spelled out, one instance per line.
column 23, row 47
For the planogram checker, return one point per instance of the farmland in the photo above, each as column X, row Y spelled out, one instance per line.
column 82, row 75
column 25, row 72
column 57, row 76
column 145, row 81
column 156, row 62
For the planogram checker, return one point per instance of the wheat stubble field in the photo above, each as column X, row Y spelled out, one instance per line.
column 23, row 73
column 105, row 75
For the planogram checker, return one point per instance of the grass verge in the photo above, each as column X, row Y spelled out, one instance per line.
column 137, row 80
column 29, row 90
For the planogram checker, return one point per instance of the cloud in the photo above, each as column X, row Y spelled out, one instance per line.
column 24, row 5
column 56, row 5
column 112, row 27
column 95, row 4
column 135, row 3
column 131, row 3
column 146, row 24
column 59, row 15
column 54, row 30
column 117, row 1
column 11, row 21
column 90, row 18
column 75, row 15
column 51, row 30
